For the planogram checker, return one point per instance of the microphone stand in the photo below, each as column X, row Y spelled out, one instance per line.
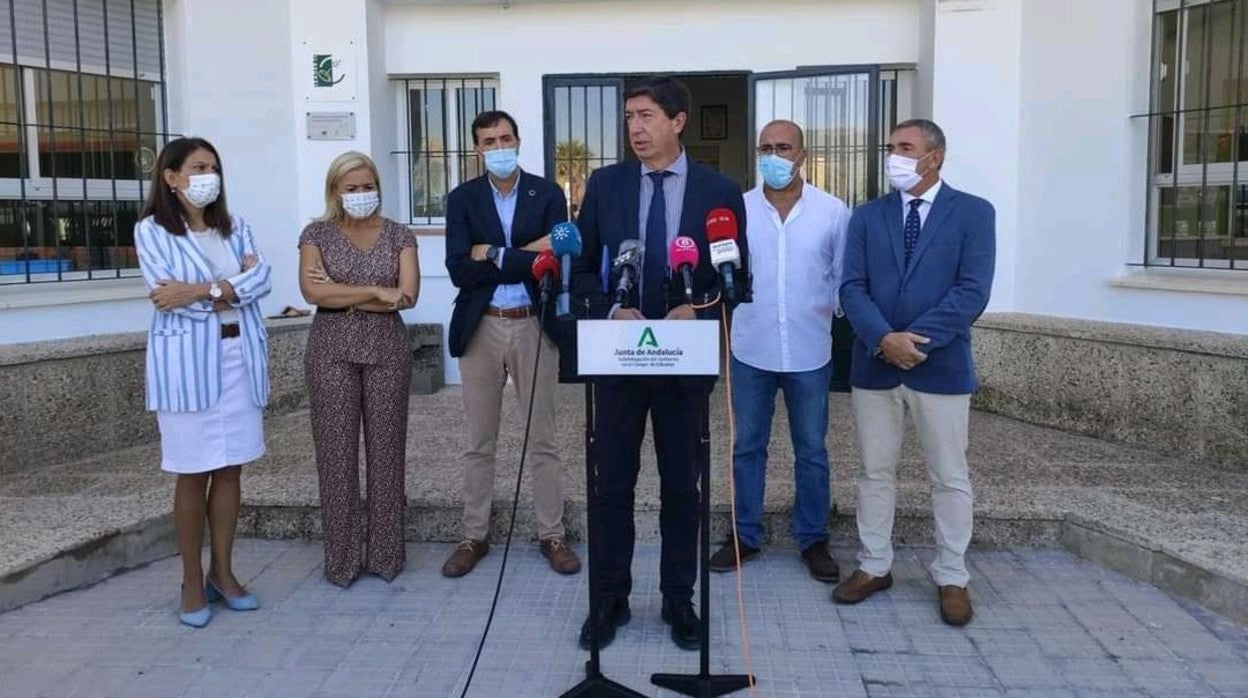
column 594, row 685
column 704, row 684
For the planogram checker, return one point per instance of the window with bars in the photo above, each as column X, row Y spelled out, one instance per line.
column 82, row 118
column 436, row 141
column 1198, row 135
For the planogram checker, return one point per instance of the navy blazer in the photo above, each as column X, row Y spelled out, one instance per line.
column 610, row 214
column 940, row 296
column 471, row 218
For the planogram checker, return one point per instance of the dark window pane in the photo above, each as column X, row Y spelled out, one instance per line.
column 440, row 114
column 1196, row 224
column 1166, row 45
column 11, row 155
column 60, row 153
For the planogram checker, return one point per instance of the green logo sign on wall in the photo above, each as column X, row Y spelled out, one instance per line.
column 647, row 339
column 323, row 66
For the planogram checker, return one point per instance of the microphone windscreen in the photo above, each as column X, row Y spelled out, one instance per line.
column 721, row 224
column 682, row 251
column 565, row 239
column 546, row 263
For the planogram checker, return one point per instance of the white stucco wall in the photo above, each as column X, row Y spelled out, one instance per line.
column 1036, row 108
column 1082, row 193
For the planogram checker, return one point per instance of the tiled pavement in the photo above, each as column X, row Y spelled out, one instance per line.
column 1047, row 624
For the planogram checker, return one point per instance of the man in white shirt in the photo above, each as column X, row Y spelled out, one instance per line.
column 783, row 341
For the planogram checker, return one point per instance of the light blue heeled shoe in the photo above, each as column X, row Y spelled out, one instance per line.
column 246, row 602
column 196, row 619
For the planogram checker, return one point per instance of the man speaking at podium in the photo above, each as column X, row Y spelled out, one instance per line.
column 647, row 205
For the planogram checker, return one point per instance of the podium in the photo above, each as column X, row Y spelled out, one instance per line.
column 651, row 348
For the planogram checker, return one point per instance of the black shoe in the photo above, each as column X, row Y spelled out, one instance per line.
column 820, row 562
column 612, row 613
column 725, row 559
column 684, row 621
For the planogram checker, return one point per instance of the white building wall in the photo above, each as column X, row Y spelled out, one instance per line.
column 975, row 99
column 527, row 41
column 228, row 77
column 1036, row 107
column 1082, row 170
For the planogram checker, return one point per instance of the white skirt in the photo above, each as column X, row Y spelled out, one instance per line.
column 230, row 432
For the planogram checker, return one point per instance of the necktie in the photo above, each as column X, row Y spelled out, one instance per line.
column 913, row 224
column 654, row 265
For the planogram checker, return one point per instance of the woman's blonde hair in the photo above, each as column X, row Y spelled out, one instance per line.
column 342, row 166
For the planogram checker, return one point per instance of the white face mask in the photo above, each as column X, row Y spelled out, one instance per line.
column 203, row 189
column 361, row 204
column 902, row 171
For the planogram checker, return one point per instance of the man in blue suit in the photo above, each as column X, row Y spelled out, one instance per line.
column 496, row 225
column 651, row 202
column 918, row 272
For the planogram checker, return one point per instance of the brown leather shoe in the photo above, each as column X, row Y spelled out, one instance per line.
column 562, row 558
column 725, row 559
column 859, row 586
column 821, row 564
column 955, row 605
column 465, row 557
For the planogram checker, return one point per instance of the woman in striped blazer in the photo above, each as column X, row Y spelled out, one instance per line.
column 207, row 360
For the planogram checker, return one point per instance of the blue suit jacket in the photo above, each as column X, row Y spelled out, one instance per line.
column 610, row 214
column 471, row 218
column 940, row 296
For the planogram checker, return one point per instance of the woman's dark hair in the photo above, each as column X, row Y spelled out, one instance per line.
column 165, row 206
column 669, row 93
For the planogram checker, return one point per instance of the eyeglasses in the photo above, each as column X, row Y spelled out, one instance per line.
column 781, row 149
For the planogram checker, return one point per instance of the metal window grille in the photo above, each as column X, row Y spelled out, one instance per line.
column 437, row 150
column 585, row 126
column 82, row 118
column 1198, row 135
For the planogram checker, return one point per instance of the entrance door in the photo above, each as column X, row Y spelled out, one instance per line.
column 585, row 125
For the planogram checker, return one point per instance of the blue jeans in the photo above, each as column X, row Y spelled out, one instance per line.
column 754, row 401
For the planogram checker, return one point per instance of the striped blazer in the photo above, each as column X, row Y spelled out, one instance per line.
column 184, row 344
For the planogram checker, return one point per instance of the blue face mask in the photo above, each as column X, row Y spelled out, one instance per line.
column 501, row 162
column 777, row 172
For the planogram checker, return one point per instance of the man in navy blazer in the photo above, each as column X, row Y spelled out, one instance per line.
column 918, row 272
column 652, row 201
column 496, row 225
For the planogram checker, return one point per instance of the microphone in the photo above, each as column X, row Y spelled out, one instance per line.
column 565, row 243
column 721, row 231
column 545, row 270
column 682, row 257
column 627, row 259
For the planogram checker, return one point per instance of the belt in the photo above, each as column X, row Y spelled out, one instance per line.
column 520, row 313
column 320, row 309
column 229, row 331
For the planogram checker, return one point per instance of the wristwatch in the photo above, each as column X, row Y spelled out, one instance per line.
column 491, row 255
column 214, row 291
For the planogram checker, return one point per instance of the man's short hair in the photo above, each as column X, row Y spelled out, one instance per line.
column 669, row 93
column 932, row 134
column 490, row 119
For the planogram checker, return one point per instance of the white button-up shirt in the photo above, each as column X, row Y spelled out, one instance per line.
column 797, row 274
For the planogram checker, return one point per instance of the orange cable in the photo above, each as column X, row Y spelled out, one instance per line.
column 732, row 505
column 732, row 495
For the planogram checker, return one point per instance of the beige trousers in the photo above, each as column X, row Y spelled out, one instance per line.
column 942, row 422
column 503, row 347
